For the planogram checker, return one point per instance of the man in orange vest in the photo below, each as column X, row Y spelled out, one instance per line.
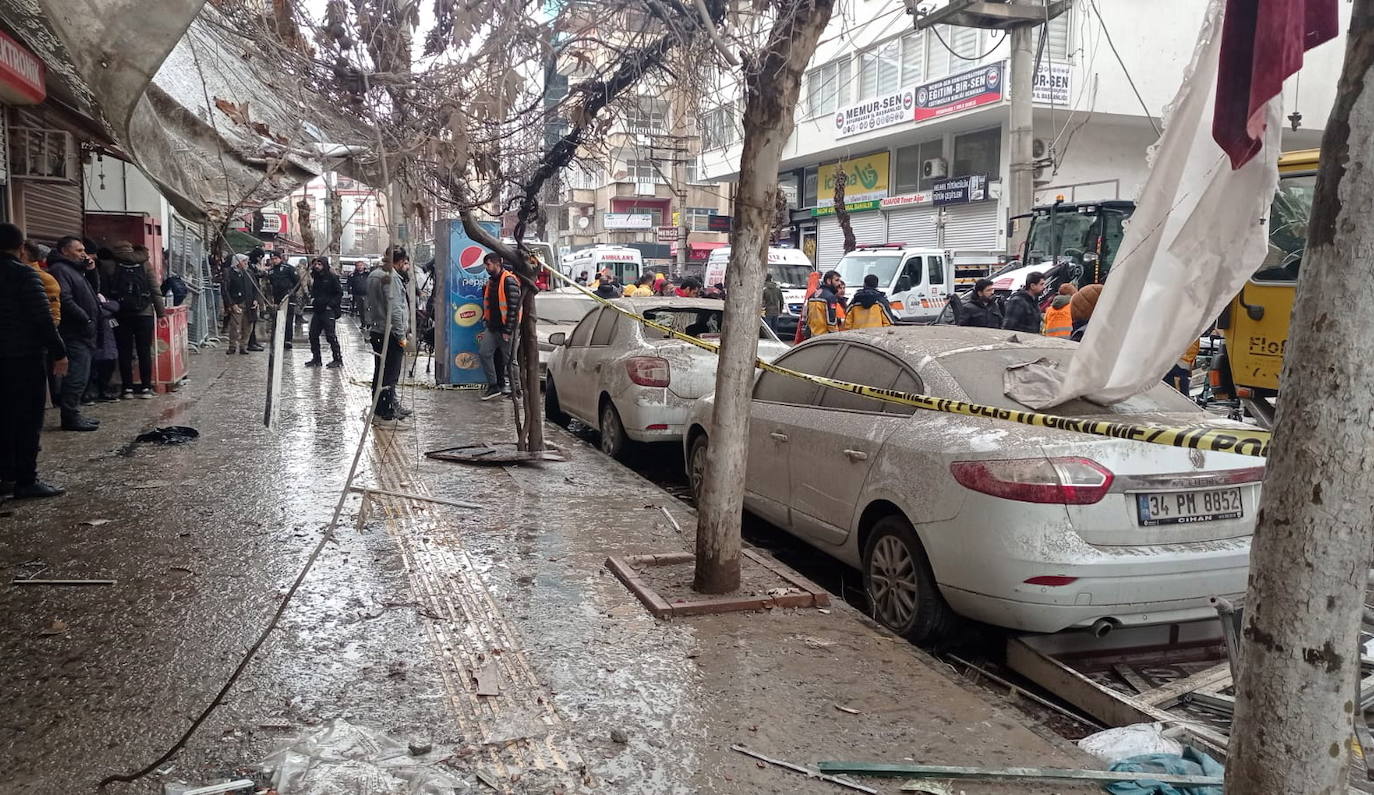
column 1059, row 318
column 501, row 313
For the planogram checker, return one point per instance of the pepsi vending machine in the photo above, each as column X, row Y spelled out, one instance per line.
column 459, row 278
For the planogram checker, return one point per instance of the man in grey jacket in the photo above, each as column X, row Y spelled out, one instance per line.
column 388, row 316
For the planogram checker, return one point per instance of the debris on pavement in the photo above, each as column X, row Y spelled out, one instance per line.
column 34, row 581
column 763, row 760
column 1138, row 739
column 489, row 679
column 172, row 434
column 850, row 710
column 1043, row 773
column 342, row 757
column 95, row 522
column 57, row 627
column 419, row 747
column 619, row 736
column 235, row 786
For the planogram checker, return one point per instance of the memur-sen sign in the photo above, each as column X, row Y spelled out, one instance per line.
column 875, row 114
column 980, row 86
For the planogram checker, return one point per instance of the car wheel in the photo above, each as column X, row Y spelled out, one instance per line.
column 552, row 411
column 613, row 439
column 902, row 593
column 696, row 463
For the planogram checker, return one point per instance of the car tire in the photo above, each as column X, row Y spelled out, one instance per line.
column 613, row 442
column 900, row 585
column 695, row 465
column 552, row 411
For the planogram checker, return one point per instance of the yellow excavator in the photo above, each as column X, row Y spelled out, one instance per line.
column 1254, row 326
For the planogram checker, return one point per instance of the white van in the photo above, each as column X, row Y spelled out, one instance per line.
column 789, row 266
column 917, row 281
column 626, row 263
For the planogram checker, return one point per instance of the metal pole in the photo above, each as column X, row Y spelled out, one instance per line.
column 1021, row 129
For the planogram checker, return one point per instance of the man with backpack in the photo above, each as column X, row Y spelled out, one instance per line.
column 140, row 305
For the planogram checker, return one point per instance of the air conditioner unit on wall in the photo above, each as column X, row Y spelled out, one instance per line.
column 934, row 168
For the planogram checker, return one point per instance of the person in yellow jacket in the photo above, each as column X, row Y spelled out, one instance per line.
column 824, row 310
column 1059, row 318
column 869, row 307
column 642, row 288
column 35, row 256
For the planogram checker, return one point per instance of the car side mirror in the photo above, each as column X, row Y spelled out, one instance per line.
column 558, row 339
column 903, row 284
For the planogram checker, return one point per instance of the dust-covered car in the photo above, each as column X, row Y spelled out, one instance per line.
column 1024, row 527
column 557, row 310
column 633, row 382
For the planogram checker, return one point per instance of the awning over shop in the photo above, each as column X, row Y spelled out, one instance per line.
column 697, row 251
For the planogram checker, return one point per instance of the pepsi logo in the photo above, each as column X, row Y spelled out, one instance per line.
column 470, row 259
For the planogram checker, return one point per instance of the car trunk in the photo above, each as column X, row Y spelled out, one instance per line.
column 1164, row 495
column 693, row 369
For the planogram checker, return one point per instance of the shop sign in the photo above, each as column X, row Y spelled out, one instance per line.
column 627, row 221
column 875, row 113
column 867, row 180
column 960, row 190
column 718, row 223
column 853, row 207
column 275, row 224
column 21, row 74
column 668, row 234
column 1052, row 84
column 956, row 93
column 905, row 200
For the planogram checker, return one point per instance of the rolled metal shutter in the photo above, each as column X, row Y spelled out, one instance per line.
column 915, row 226
column 47, row 210
column 971, row 225
column 869, row 228
column 829, row 243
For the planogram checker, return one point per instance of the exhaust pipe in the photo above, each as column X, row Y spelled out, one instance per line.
column 1102, row 626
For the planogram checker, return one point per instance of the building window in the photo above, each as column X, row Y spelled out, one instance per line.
column 911, row 165
column 809, row 187
column 942, row 60
column 913, row 58
column 698, row 218
column 42, row 154
column 827, row 87
column 655, row 212
column 880, row 70
column 647, row 115
column 718, row 127
column 640, row 171
column 1057, row 46
column 978, row 153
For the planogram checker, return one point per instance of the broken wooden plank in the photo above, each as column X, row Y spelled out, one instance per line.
column 1133, row 678
column 1006, row 773
column 1169, row 695
column 804, row 771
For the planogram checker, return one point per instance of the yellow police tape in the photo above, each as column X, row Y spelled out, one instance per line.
column 1253, row 442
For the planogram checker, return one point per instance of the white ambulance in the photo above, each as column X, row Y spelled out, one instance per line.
column 626, row 263
column 917, row 281
column 789, row 266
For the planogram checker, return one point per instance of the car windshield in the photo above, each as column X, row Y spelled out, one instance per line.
column 853, row 268
column 981, row 374
column 790, row 276
column 566, row 310
column 693, row 321
column 1288, row 216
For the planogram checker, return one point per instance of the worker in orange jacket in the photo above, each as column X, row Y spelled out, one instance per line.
column 1059, row 318
column 825, row 309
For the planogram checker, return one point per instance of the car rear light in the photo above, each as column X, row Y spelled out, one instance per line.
column 659, row 426
column 1051, row 580
column 648, row 370
column 1059, row 481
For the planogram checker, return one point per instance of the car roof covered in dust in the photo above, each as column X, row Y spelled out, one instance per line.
column 915, row 343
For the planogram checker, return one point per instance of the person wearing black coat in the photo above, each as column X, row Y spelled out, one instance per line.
column 326, row 301
column 982, row 308
column 357, row 287
column 67, row 263
column 28, row 340
column 1023, row 307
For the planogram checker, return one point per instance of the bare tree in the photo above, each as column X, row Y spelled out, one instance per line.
column 1311, row 555
column 772, row 81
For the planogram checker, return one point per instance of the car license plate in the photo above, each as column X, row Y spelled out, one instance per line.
column 1179, row 507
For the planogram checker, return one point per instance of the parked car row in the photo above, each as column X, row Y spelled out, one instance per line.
column 946, row 516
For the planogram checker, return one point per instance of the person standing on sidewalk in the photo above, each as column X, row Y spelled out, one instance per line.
column 825, row 309
column 67, row 263
column 139, row 308
column 283, row 280
column 326, row 299
column 1022, row 312
column 772, row 302
column 238, row 297
column 28, row 340
column 388, row 322
column 501, row 314
column 357, row 286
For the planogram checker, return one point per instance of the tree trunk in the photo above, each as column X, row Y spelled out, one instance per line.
column 772, row 83
column 842, row 210
column 1311, row 552
column 529, row 372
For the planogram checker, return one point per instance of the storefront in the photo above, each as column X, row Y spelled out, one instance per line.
column 40, row 166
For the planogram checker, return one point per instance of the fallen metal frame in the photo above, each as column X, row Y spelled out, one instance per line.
column 626, row 570
column 497, row 454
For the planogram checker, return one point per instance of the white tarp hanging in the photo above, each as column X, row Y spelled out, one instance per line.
column 1197, row 234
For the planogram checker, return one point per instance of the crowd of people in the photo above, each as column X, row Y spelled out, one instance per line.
column 71, row 316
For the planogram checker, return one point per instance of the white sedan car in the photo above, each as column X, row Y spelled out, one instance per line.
column 1017, row 526
column 632, row 382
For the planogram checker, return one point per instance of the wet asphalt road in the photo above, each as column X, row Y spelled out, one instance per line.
column 404, row 609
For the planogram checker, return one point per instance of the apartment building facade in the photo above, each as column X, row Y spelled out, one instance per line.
column 918, row 120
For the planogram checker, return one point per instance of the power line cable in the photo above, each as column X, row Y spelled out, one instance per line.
column 1127, row 71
